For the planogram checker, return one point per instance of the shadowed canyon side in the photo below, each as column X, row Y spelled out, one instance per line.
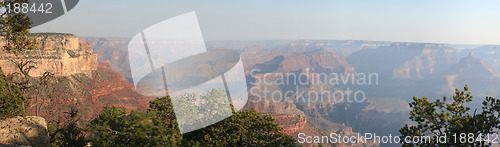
column 405, row 60
column 432, row 68
column 293, row 112
column 476, row 73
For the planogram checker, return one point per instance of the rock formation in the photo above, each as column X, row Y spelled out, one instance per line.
column 405, row 60
column 474, row 72
column 24, row 131
column 80, row 79
column 290, row 123
column 113, row 51
column 102, row 88
column 341, row 47
column 60, row 54
column 318, row 61
column 473, row 66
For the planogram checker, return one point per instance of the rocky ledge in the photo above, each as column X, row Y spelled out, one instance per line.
column 24, row 131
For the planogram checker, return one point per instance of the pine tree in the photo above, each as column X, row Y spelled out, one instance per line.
column 452, row 120
column 14, row 28
column 243, row 128
column 12, row 100
column 158, row 127
column 113, row 127
column 14, row 32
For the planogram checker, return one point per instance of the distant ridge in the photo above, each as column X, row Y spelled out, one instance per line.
column 474, row 66
column 420, row 45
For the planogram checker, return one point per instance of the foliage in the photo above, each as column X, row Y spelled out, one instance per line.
column 162, row 115
column 113, row 127
column 68, row 134
column 12, row 101
column 243, row 128
column 159, row 127
column 198, row 110
column 443, row 118
column 14, row 31
column 14, row 28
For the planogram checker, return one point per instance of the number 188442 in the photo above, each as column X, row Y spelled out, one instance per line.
column 29, row 8
column 473, row 138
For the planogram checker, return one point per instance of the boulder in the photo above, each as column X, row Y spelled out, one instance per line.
column 24, row 131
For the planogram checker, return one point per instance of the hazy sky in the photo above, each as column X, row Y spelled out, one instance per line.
column 440, row 21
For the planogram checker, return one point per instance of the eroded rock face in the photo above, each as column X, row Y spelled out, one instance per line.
column 405, row 60
column 290, row 123
column 24, row 131
column 113, row 51
column 59, row 54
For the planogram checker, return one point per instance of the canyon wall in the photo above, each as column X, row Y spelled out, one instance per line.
column 113, row 51
column 59, row 54
column 290, row 123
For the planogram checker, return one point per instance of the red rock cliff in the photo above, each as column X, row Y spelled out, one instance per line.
column 60, row 54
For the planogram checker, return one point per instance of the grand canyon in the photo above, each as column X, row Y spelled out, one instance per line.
column 95, row 73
